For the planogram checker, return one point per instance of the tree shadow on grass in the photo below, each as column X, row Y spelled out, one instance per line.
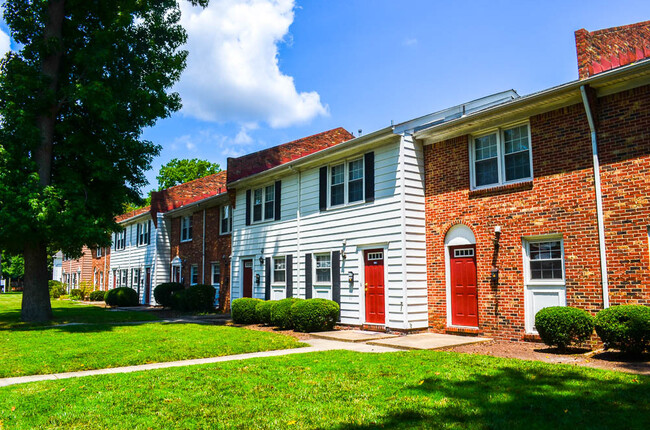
column 529, row 398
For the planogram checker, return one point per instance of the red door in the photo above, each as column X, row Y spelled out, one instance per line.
column 147, row 285
column 374, row 277
column 248, row 278
column 464, row 298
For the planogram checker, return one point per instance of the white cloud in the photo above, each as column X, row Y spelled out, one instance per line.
column 232, row 71
column 5, row 43
column 410, row 41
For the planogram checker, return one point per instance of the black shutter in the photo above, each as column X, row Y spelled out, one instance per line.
column 369, row 164
column 248, row 207
column 137, row 233
column 336, row 276
column 308, row 276
column 278, row 199
column 267, row 280
column 322, row 189
column 289, row 275
column 149, row 233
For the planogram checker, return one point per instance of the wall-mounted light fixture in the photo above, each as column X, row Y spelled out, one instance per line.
column 261, row 260
column 257, row 279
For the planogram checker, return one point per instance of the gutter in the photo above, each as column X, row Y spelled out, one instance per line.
column 599, row 198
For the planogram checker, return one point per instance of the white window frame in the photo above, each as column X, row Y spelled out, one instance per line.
column 194, row 270
column 316, row 268
column 143, row 233
column 187, row 229
column 501, row 165
column 124, row 277
column 346, row 182
column 120, row 240
column 533, row 287
column 222, row 210
column 98, row 252
column 137, row 277
column 263, row 214
column 275, row 281
column 217, row 266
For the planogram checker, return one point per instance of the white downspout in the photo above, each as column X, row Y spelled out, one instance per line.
column 203, row 252
column 299, row 256
column 599, row 199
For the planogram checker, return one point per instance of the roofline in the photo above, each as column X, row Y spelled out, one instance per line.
column 318, row 154
column 143, row 214
column 537, row 96
column 181, row 208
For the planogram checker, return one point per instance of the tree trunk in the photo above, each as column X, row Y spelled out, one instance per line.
column 36, row 295
column 36, row 298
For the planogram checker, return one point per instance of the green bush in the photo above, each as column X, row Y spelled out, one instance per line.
column 97, row 296
column 57, row 289
column 625, row 327
column 243, row 311
column 562, row 326
column 281, row 313
column 76, row 294
column 263, row 310
column 163, row 293
column 123, row 296
column 314, row 315
column 196, row 298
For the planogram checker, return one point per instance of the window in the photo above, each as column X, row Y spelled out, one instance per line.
column 120, row 239
column 194, row 274
column 264, row 204
column 99, row 252
column 143, row 233
column 136, row 278
column 346, row 183
column 216, row 274
column 226, row 219
column 125, row 278
column 279, row 270
column 501, row 157
column 186, row 228
column 323, row 268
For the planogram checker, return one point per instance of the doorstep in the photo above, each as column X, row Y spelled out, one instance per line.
column 427, row 341
column 352, row 335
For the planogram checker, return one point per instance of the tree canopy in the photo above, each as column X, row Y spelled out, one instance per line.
column 89, row 77
column 179, row 171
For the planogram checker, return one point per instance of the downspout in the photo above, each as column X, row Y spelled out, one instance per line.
column 299, row 256
column 203, row 252
column 599, row 198
column 402, row 168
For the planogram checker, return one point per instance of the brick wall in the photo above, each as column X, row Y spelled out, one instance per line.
column 216, row 246
column 101, row 266
column 560, row 200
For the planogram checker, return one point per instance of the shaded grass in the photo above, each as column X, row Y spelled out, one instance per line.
column 84, row 347
column 340, row 389
column 65, row 311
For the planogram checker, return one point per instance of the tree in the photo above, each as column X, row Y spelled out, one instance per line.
column 89, row 77
column 180, row 171
column 13, row 266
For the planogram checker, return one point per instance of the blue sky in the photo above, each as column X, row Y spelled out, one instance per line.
column 264, row 72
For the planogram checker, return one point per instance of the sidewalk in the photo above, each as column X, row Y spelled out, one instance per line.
column 316, row 345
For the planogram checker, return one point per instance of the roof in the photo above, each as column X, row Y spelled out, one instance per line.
column 261, row 161
column 132, row 214
column 189, row 192
column 607, row 49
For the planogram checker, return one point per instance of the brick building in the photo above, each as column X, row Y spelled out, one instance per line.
column 101, row 263
column 76, row 271
column 543, row 200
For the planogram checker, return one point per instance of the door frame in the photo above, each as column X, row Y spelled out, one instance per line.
column 146, row 296
column 451, row 297
column 362, row 280
column 241, row 262
column 457, row 235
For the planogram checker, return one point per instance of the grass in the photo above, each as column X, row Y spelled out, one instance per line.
column 43, row 349
column 340, row 389
column 65, row 311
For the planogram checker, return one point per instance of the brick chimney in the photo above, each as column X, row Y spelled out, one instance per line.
column 602, row 50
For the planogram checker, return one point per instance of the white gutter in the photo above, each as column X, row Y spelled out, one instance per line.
column 203, row 252
column 599, row 199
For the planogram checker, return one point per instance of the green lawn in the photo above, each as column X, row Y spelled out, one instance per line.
column 339, row 389
column 66, row 311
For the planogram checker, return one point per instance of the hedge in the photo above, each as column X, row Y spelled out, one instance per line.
column 281, row 313
column 123, row 296
column 562, row 326
column 163, row 293
column 97, row 296
column 57, row 289
column 196, row 298
column 314, row 315
column 263, row 311
column 76, row 294
column 625, row 327
column 243, row 310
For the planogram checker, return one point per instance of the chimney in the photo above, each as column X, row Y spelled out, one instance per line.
column 602, row 50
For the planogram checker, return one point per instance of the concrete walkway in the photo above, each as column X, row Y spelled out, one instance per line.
column 407, row 342
column 315, row 346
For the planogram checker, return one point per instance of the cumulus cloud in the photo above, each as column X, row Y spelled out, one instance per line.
column 5, row 43
column 227, row 146
column 232, row 71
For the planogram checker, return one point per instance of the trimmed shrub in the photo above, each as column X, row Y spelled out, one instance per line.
column 97, row 296
column 57, row 289
column 163, row 293
column 196, row 298
column 281, row 313
column 263, row 310
column 123, row 296
column 243, row 310
column 76, row 294
column 562, row 326
column 625, row 327
column 314, row 315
